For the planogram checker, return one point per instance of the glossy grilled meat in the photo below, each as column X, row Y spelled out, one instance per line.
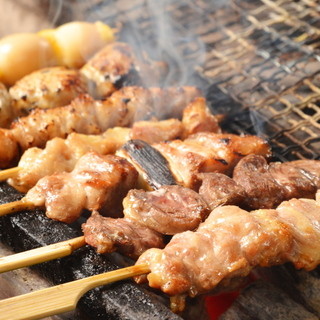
column 231, row 242
column 62, row 154
column 208, row 152
column 123, row 235
column 88, row 116
column 267, row 185
column 96, row 183
column 168, row 210
column 6, row 111
column 46, row 88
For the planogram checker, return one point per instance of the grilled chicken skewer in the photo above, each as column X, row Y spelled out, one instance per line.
column 88, row 116
column 61, row 155
column 151, row 208
column 229, row 244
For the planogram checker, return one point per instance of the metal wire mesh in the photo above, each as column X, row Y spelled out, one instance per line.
column 262, row 61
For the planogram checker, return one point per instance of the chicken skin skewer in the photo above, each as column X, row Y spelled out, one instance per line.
column 88, row 116
column 62, row 154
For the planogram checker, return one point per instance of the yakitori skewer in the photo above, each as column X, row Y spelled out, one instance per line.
column 228, row 245
column 62, row 298
column 88, row 116
column 60, row 155
column 216, row 189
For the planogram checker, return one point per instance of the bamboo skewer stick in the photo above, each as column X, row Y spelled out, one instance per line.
column 9, row 173
column 42, row 254
column 61, row 298
column 11, row 207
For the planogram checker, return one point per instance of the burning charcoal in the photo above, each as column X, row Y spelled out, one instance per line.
column 154, row 167
column 262, row 301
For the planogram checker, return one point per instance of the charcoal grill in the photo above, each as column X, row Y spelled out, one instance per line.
column 258, row 61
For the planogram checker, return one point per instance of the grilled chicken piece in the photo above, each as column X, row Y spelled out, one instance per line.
column 208, row 152
column 217, row 189
column 231, row 242
column 61, row 155
column 267, row 185
column 123, row 235
column 198, row 118
column 6, row 112
column 96, row 183
column 168, row 210
column 312, row 166
column 46, row 88
column 107, row 68
column 88, row 116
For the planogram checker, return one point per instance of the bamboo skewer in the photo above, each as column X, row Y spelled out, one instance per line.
column 9, row 173
column 42, row 254
column 11, row 207
column 61, row 298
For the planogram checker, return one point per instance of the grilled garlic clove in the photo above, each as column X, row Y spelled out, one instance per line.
column 152, row 166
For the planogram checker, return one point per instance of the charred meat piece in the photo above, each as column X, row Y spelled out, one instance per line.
column 88, row 116
column 47, row 88
column 198, row 118
column 296, row 182
column 218, row 189
column 231, row 242
column 96, row 183
column 107, row 67
column 252, row 173
column 123, row 235
column 311, row 166
column 6, row 110
column 208, row 152
column 168, row 210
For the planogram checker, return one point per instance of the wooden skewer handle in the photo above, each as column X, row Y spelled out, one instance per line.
column 61, row 298
column 9, row 173
column 15, row 206
column 38, row 255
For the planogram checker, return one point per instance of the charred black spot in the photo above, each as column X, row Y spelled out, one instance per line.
column 126, row 100
column 226, row 141
column 222, row 161
column 132, row 78
column 239, row 154
column 24, row 97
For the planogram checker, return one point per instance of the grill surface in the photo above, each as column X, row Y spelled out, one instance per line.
column 258, row 62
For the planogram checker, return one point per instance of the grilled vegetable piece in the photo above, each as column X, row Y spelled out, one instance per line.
column 231, row 242
column 123, row 235
column 85, row 115
column 150, row 163
column 6, row 111
column 46, row 88
column 96, row 183
column 168, row 210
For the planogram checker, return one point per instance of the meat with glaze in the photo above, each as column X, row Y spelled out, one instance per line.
column 208, row 152
column 88, row 116
column 123, row 235
column 231, row 242
column 96, row 183
column 168, row 210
